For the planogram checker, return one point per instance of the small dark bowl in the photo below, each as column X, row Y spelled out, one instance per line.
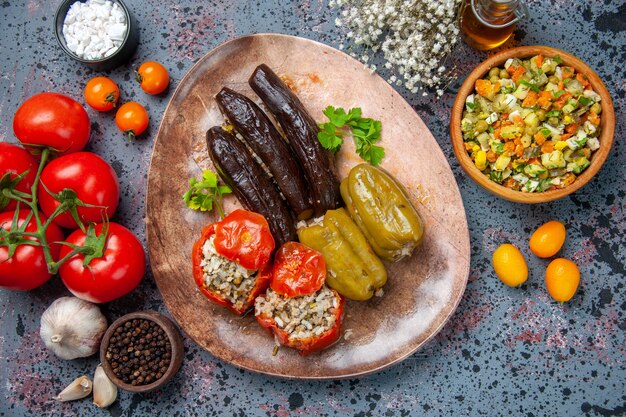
column 173, row 335
column 121, row 56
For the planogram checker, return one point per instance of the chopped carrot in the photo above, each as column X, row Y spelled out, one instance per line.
column 468, row 146
column 497, row 86
column 539, row 61
column 509, row 148
column 568, row 179
column 504, row 116
column 496, row 134
column 573, row 128
column 565, row 136
column 517, row 74
column 491, row 156
column 506, row 123
column 593, row 118
column 517, row 119
column 547, row 147
column 511, row 183
column 530, row 100
column 561, row 86
column 540, row 138
column 568, row 72
column 545, row 99
column 533, row 161
column 560, row 102
column 519, row 150
column 517, row 141
column 583, row 79
column 484, row 88
column 497, row 123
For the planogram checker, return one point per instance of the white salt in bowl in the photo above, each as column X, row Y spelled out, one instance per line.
column 119, row 57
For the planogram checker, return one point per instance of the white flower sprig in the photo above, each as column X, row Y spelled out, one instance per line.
column 415, row 37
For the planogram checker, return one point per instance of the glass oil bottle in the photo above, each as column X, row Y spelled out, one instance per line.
column 487, row 24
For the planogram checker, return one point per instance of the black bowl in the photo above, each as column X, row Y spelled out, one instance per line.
column 121, row 56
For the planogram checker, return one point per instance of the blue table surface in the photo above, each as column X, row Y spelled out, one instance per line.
column 506, row 351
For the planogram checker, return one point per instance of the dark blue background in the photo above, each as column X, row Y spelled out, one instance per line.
column 504, row 352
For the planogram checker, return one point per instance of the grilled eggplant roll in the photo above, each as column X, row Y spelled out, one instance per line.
column 301, row 130
column 250, row 183
column 263, row 138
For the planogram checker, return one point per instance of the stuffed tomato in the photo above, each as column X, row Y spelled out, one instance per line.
column 299, row 310
column 231, row 260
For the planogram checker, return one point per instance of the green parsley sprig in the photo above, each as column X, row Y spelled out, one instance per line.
column 365, row 132
column 203, row 194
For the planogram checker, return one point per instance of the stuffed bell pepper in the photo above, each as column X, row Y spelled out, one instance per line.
column 354, row 270
column 231, row 260
column 298, row 309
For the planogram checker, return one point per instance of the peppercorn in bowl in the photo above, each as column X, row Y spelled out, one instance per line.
column 141, row 351
column 532, row 124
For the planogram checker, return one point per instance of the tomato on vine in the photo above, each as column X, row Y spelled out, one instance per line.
column 152, row 77
column 101, row 93
column 52, row 120
column 15, row 161
column 89, row 178
column 23, row 266
column 113, row 269
column 132, row 119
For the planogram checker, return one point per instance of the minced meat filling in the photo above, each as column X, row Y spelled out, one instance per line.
column 302, row 317
column 225, row 277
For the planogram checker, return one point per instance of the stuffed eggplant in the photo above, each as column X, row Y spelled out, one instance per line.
column 250, row 183
column 301, row 131
column 263, row 138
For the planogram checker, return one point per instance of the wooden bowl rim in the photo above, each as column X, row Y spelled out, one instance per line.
column 173, row 335
column 606, row 137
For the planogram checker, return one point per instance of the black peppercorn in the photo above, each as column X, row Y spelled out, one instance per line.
column 141, row 354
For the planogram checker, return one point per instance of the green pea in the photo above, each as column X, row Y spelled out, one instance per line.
column 494, row 79
column 553, row 79
column 553, row 121
column 504, row 74
column 481, row 126
column 494, row 72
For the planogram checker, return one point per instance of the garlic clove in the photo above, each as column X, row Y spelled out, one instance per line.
column 104, row 391
column 79, row 388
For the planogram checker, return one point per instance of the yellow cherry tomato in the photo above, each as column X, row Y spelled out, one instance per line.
column 548, row 239
column 562, row 279
column 101, row 93
column 510, row 265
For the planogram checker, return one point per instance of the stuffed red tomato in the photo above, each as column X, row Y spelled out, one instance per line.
column 231, row 260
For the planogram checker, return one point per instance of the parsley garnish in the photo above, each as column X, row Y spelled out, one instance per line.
column 532, row 86
column 365, row 132
column 558, row 59
column 203, row 194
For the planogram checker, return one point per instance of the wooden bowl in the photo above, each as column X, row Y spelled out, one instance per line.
column 607, row 125
column 173, row 335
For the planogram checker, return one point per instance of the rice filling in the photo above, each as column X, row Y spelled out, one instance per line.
column 301, row 317
column 225, row 277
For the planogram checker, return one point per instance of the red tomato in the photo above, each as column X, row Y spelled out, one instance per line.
column 111, row 276
column 298, row 270
column 244, row 237
column 91, row 177
column 53, row 120
column 16, row 160
column 27, row 268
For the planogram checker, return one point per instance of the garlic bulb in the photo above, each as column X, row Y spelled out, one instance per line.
column 104, row 391
column 72, row 328
column 79, row 388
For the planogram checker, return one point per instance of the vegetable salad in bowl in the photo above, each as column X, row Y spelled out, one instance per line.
column 533, row 124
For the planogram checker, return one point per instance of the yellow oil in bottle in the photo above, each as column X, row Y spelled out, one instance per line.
column 487, row 24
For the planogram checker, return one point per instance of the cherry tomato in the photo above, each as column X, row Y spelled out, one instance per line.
column 510, row 265
column 244, row 237
column 52, row 120
column 132, row 119
column 101, row 93
column 111, row 276
column 298, row 270
column 27, row 268
column 548, row 239
column 93, row 180
column 562, row 279
column 152, row 77
column 15, row 161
